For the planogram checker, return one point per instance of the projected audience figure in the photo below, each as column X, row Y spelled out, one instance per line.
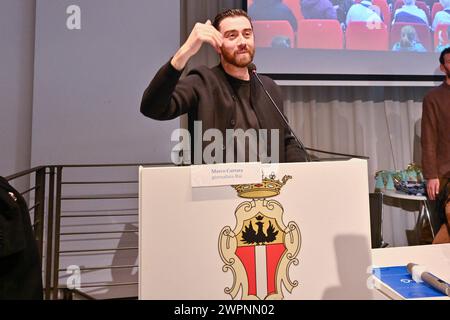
column 342, row 7
column 281, row 42
column 443, row 16
column 318, row 9
column 409, row 12
column 408, row 41
column 364, row 11
column 272, row 10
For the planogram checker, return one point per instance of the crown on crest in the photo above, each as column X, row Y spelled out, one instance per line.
column 269, row 187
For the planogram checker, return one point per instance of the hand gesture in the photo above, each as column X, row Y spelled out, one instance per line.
column 201, row 33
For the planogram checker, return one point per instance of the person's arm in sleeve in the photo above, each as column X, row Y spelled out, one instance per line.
column 429, row 146
column 166, row 97
column 330, row 11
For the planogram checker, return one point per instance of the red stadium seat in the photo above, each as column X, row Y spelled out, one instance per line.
column 423, row 33
column 441, row 29
column 266, row 30
column 437, row 6
column 385, row 11
column 420, row 4
column 320, row 34
column 361, row 35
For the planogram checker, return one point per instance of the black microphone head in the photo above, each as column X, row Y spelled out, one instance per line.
column 251, row 67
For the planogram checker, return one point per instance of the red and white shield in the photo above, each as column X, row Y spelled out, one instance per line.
column 261, row 264
column 260, row 250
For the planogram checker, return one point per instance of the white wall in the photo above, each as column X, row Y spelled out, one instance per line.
column 16, row 84
column 88, row 85
column 89, row 82
column 74, row 97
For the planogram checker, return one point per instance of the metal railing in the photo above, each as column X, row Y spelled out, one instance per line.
column 47, row 183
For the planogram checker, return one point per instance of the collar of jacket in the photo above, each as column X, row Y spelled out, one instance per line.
column 258, row 98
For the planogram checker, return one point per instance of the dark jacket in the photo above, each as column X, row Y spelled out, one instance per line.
column 318, row 9
column 272, row 10
column 20, row 268
column 205, row 94
column 442, row 200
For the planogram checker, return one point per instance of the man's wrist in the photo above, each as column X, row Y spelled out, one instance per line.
column 180, row 59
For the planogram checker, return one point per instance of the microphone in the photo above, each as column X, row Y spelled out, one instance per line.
column 252, row 68
column 419, row 274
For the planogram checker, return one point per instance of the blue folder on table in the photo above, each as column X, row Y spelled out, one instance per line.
column 399, row 280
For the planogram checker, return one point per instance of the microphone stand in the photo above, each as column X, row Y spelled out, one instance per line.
column 252, row 68
column 282, row 116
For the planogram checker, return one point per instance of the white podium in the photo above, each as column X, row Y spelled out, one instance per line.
column 310, row 241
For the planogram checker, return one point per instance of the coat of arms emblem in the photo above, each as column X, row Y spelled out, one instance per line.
column 260, row 250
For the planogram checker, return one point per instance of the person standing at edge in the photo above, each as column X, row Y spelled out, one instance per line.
column 436, row 146
column 227, row 96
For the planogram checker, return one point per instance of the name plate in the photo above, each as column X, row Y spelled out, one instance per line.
column 225, row 174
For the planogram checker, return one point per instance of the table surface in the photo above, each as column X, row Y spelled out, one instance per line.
column 436, row 259
column 400, row 195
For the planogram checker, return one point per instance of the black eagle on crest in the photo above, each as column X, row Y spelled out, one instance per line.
column 250, row 236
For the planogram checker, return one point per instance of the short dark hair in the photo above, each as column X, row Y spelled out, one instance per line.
column 443, row 53
column 230, row 13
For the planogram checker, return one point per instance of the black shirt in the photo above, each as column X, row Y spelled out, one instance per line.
column 205, row 94
column 244, row 118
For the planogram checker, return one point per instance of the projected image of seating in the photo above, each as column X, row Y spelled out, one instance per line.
column 411, row 11
column 441, row 37
column 423, row 35
column 440, row 13
column 437, row 6
column 362, row 35
column 366, row 25
column 294, row 6
column 273, row 33
column 385, row 10
column 320, row 34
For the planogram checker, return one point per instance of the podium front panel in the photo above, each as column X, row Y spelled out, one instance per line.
column 310, row 241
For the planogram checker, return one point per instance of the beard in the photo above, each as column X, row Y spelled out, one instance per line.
column 239, row 59
column 447, row 72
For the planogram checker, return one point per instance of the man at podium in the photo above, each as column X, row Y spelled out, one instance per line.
column 227, row 99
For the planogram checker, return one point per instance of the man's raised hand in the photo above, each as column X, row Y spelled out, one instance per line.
column 201, row 33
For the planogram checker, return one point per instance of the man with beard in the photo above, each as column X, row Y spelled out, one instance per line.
column 436, row 147
column 227, row 96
